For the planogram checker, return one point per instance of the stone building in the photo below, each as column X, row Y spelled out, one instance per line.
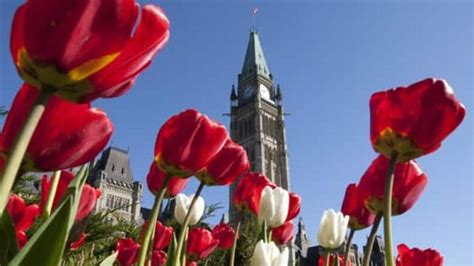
column 113, row 175
column 257, row 121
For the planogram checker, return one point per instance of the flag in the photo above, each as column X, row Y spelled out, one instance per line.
column 255, row 11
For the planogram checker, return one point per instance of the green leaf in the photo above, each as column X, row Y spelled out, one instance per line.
column 47, row 245
column 8, row 246
column 109, row 261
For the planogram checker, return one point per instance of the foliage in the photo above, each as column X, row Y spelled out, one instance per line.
column 102, row 229
column 26, row 187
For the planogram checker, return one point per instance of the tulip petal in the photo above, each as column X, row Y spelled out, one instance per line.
column 70, row 33
column 267, row 206
column 197, row 211
column 151, row 35
column 180, row 209
column 18, row 31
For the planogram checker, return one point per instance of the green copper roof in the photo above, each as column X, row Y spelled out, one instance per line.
column 254, row 62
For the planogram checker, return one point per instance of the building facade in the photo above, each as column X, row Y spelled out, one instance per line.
column 257, row 121
column 112, row 174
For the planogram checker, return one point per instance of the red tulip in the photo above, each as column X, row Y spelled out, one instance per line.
column 191, row 263
column 283, row 233
column 67, row 135
column 127, row 251
column 294, row 207
column 155, row 180
column 322, row 260
column 87, row 201
column 82, row 50
column 413, row 120
column 201, row 243
column 409, row 183
column 78, row 243
column 22, row 217
column 163, row 235
column 417, row 257
column 353, row 206
column 225, row 234
column 187, row 142
column 248, row 191
column 228, row 165
column 21, row 239
column 158, row 258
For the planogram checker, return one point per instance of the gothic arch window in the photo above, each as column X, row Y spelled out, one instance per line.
column 123, row 171
column 113, row 167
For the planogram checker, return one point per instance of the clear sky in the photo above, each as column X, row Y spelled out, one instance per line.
column 329, row 57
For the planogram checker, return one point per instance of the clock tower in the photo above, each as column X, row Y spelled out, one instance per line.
column 257, row 119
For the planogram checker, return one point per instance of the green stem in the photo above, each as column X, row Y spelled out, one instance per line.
column 186, row 221
column 348, row 246
column 371, row 240
column 328, row 255
column 52, row 192
column 270, row 231
column 264, row 229
column 387, row 214
column 234, row 246
column 183, row 256
column 148, row 238
column 19, row 146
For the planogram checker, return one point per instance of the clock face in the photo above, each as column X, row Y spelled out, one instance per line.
column 264, row 92
column 248, row 92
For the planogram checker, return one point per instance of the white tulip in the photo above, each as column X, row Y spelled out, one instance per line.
column 268, row 254
column 332, row 229
column 273, row 208
column 182, row 204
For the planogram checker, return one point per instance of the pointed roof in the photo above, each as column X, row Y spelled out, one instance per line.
column 254, row 62
column 115, row 163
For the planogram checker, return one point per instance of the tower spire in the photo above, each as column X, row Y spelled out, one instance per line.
column 254, row 62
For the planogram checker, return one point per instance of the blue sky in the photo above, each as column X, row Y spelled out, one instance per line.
column 329, row 57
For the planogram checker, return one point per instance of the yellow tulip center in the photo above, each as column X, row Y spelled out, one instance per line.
column 70, row 85
column 389, row 141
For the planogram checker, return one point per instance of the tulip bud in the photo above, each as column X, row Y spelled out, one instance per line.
column 201, row 243
column 163, row 235
column 408, row 185
column 158, row 258
column 248, row 192
column 22, row 217
column 225, row 234
column 294, row 207
column 228, row 165
column 87, row 201
column 332, row 260
column 268, row 254
column 156, row 177
column 78, row 242
column 416, row 257
column 273, row 206
column 127, row 251
column 187, row 142
column 182, row 204
column 283, row 233
column 332, row 229
column 353, row 206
